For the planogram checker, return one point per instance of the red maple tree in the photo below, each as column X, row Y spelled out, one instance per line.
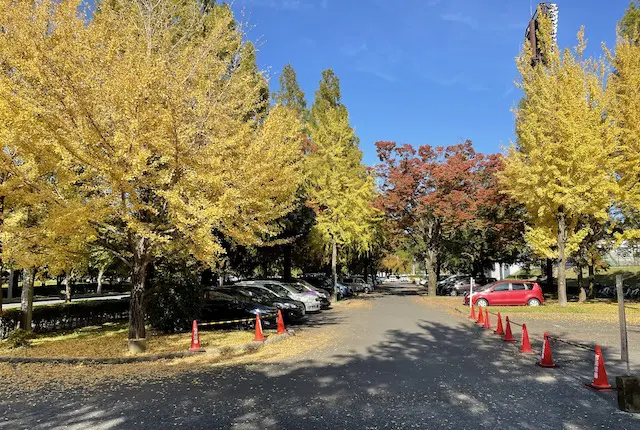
column 430, row 194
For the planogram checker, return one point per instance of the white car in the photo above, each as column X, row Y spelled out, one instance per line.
column 311, row 302
column 404, row 278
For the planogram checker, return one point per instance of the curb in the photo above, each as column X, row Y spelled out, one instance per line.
column 155, row 357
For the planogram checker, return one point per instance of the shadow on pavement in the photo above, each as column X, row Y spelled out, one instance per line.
column 429, row 376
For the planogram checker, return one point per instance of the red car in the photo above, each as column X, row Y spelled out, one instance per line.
column 511, row 292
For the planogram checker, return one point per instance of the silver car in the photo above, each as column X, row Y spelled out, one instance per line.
column 311, row 302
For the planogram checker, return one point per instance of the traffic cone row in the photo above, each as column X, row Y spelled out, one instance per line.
column 259, row 335
column 600, row 380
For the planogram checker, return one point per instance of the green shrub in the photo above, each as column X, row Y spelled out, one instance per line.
column 173, row 301
column 66, row 316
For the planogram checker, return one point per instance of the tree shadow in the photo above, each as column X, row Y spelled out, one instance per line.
column 430, row 375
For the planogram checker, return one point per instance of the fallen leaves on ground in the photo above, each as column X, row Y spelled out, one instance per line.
column 35, row 376
column 110, row 341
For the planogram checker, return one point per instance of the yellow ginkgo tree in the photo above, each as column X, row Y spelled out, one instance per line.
column 339, row 187
column 623, row 88
column 561, row 167
column 159, row 108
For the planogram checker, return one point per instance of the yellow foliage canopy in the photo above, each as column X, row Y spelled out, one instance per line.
column 562, row 165
column 155, row 118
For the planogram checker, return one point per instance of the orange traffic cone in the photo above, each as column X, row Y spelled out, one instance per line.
column 546, row 360
column 499, row 329
column 487, row 322
column 281, row 329
column 259, row 336
column 195, row 338
column 525, row 348
column 508, row 336
column 480, row 319
column 600, row 380
column 472, row 315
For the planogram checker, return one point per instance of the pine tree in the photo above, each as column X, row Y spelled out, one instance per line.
column 561, row 166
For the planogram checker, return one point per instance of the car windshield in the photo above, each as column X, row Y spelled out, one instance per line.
column 215, row 295
column 260, row 293
column 298, row 288
column 305, row 284
column 280, row 290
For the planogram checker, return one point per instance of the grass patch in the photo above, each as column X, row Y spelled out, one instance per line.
column 630, row 274
column 110, row 341
column 594, row 311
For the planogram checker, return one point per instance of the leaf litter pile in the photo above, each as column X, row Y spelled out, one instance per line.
column 38, row 376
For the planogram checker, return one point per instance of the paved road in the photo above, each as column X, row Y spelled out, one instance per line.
column 398, row 364
column 58, row 301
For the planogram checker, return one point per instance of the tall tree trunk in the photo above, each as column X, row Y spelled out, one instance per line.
column 438, row 267
column 562, row 256
column 430, row 264
column 287, row 262
column 141, row 260
column 582, row 296
column 501, row 269
column 334, row 271
column 67, row 286
column 1, row 290
column 592, row 286
column 100, row 277
column 13, row 282
column 26, row 300
column 549, row 273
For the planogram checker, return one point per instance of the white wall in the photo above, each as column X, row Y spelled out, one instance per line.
column 508, row 270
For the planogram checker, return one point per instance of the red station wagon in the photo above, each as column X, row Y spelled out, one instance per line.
column 511, row 292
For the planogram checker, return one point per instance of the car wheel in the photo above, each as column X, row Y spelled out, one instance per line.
column 533, row 302
column 482, row 303
column 454, row 293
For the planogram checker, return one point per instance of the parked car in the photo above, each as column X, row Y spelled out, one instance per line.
column 404, row 278
column 304, row 287
column 218, row 306
column 460, row 288
column 511, row 292
column 292, row 310
column 282, row 289
column 325, row 284
column 357, row 284
column 444, row 286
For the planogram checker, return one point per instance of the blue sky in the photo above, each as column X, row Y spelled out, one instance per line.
column 416, row 71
